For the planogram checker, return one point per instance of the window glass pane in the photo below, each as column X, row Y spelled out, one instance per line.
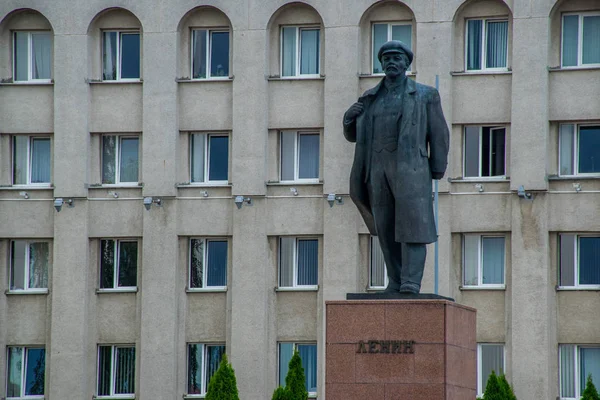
column 589, row 360
column 125, row 370
column 378, row 271
column 493, row 260
column 474, row 46
column 197, row 156
column 17, row 262
column 308, row 354
column 485, row 151
column 39, row 254
column 570, row 38
column 219, row 56
column 214, row 354
column 308, row 156
column 566, row 149
column 286, row 261
column 21, row 54
column 589, row 149
column 217, row 263
column 380, row 33
column 109, row 159
column 199, row 54
column 308, row 262
column 40, row 161
column 567, row 260
column 309, row 51
column 589, row 260
column 288, row 146
column 196, row 262
column 497, row 154
column 15, row 365
column 109, row 56
column 107, row 264
column 104, row 370
column 288, row 51
column 129, row 160
column 471, row 259
column 286, row 351
column 497, row 44
column 128, row 255
column 41, row 55
column 567, row 370
column 194, row 369
column 130, row 55
column 471, row 151
column 20, row 160
column 403, row 33
column 219, row 158
column 34, row 375
column 492, row 359
column 591, row 40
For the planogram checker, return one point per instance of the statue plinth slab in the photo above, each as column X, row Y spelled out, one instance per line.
column 400, row 349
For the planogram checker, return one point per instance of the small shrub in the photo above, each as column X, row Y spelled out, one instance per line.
column 223, row 385
column 295, row 382
column 590, row 392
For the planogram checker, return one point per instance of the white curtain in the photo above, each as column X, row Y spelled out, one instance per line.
column 493, row 260
column 567, row 260
column 197, row 155
column 15, row 360
column 308, row 262
column 308, row 156
column 199, row 54
column 17, row 273
column 109, row 56
column 567, row 370
column 378, row 270
column 570, row 40
column 129, row 149
column 308, row 354
column 309, row 51
column 20, row 160
column 196, row 263
column 286, row 261
column 492, row 359
column 109, row 159
column 288, row 149
column 471, row 259
column 497, row 44
column 474, row 48
column 40, row 160
column 288, row 51
column 591, row 40
column 567, row 135
column 41, row 55
column 39, row 257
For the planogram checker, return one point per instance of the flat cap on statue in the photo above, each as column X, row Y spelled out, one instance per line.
column 395, row 46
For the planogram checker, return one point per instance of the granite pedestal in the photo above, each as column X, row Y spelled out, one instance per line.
column 400, row 349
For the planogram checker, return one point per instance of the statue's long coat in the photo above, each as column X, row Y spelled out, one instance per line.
column 421, row 125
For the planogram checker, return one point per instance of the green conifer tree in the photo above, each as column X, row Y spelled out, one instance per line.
column 506, row 389
column 493, row 390
column 223, row 385
column 590, row 392
column 295, row 381
column 281, row 393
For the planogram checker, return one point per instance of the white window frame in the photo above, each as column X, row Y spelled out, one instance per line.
column 385, row 275
column 483, row 55
column 577, row 286
column 30, row 139
column 464, row 154
column 205, row 287
column 575, row 153
column 480, row 388
column 117, row 247
column 30, row 35
column 207, row 147
column 298, row 75
column 297, row 157
column 23, row 373
column 295, row 285
column 295, row 344
column 580, row 63
column 26, row 271
column 209, row 44
column 390, row 25
column 480, row 284
column 118, row 182
column 113, row 370
column 204, row 383
column 119, row 33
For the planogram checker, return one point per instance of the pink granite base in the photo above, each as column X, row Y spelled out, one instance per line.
column 441, row 366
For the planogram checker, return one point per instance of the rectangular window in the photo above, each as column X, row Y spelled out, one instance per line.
column 581, row 40
column 118, row 264
column 32, row 56
column 209, row 158
column 299, row 51
column 120, row 56
column 210, row 53
column 29, row 261
column 25, row 373
column 299, row 153
column 484, row 152
column 579, row 260
column 486, row 44
column 203, row 362
column 383, row 32
column 378, row 278
column 579, row 149
column 308, row 354
column 490, row 357
column 116, row 371
column 208, row 263
column 483, row 261
column 576, row 363
column 120, row 159
column 298, row 262
column 31, row 160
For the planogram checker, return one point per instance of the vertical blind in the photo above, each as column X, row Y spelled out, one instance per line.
column 130, row 55
column 197, row 156
column 21, row 54
column 308, row 262
column 219, row 158
column 567, row 370
column 288, row 150
column 471, row 259
column 591, row 40
column 308, row 354
column 214, row 354
column 217, row 263
column 309, row 51
column 219, row 54
column 378, row 271
column 589, row 260
column 288, row 51
column 40, row 160
column 308, row 155
column 497, row 44
column 492, row 260
column 492, row 359
column 104, row 370
column 589, row 364
column 129, row 149
column 474, row 45
column 125, row 370
column 566, row 143
column 286, row 261
column 286, row 351
column 570, row 40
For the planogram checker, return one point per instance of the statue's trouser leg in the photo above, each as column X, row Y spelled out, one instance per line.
column 413, row 262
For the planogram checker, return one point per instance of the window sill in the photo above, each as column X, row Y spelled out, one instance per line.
column 297, row 289
column 28, row 83
column 382, row 75
column 572, row 177
column 479, row 179
column 115, row 185
column 578, row 288
column 205, row 80
column 132, row 397
column 480, row 73
column 569, row 69
column 28, row 187
column 295, row 183
column 207, row 290
column 297, row 78
column 9, row 292
column 194, row 396
column 121, row 82
column 124, row 290
column 202, row 185
column 479, row 288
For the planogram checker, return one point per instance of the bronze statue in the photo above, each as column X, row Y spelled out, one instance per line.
column 393, row 125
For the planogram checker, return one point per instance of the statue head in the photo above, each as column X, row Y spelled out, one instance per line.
column 395, row 58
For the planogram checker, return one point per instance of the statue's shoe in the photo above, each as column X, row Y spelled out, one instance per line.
column 409, row 287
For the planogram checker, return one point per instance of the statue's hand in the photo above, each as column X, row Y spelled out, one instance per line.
column 354, row 111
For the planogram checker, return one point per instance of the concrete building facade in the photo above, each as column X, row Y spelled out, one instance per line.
column 518, row 208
